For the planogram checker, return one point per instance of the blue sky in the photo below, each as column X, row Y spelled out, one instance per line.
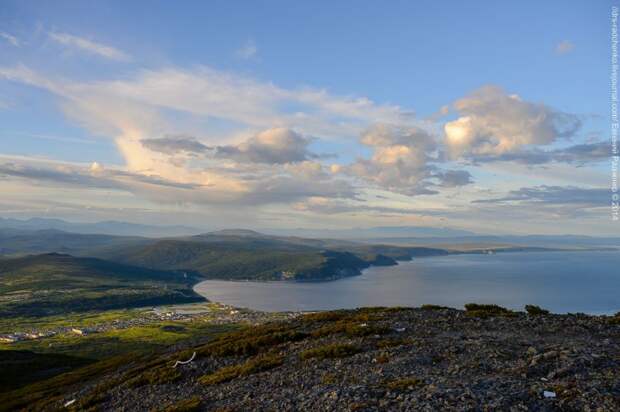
column 160, row 112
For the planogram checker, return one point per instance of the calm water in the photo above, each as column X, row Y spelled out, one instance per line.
column 560, row 281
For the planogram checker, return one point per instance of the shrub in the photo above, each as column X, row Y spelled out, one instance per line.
column 433, row 307
column 325, row 316
column 535, row 310
column 335, row 350
column 254, row 365
column 251, row 341
column 155, row 376
column 485, row 311
column 186, row 405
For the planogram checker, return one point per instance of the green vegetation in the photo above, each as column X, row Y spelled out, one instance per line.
column 433, row 307
column 143, row 339
column 156, row 376
column 390, row 343
column 535, row 310
column 350, row 328
column 50, row 284
column 254, row 365
column 615, row 320
column 485, row 311
column 334, row 350
column 51, row 390
column 72, row 319
column 186, row 405
column 251, row 340
column 249, row 258
column 404, row 384
column 251, row 255
column 222, row 255
column 23, row 367
column 134, row 357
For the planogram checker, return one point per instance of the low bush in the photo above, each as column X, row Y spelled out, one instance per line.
column 251, row 341
column 335, row 350
column 484, row 310
column 155, row 376
column 186, row 405
column 433, row 307
column 253, row 365
column 535, row 310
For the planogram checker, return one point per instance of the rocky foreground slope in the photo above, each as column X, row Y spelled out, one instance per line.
column 430, row 359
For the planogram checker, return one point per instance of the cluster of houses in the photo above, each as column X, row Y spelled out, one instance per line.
column 224, row 314
column 30, row 335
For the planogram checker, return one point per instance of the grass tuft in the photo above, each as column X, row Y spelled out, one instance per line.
column 254, row 365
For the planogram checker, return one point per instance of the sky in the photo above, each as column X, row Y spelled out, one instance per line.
column 484, row 116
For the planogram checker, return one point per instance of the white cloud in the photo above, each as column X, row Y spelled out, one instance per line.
column 492, row 122
column 564, row 47
column 275, row 146
column 12, row 40
column 247, row 51
column 89, row 46
column 401, row 160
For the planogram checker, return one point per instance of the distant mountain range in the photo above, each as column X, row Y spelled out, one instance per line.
column 93, row 234
column 117, row 228
column 109, row 227
column 372, row 232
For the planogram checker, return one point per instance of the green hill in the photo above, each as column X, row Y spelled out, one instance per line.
column 235, row 259
column 227, row 254
column 56, row 283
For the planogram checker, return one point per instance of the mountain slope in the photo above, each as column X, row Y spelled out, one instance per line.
column 234, row 259
column 370, row 359
column 19, row 241
column 56, row 283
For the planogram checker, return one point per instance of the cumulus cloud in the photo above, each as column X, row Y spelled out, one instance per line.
column 89, row 46
column 492, row 122
column 271, row 146
column 173, row 144
column 454, row 178
column 275, row 146
column 403, row 160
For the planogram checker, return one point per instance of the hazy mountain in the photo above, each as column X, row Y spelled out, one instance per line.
column 18, row 242
column 373, row 232
column 109, row 227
